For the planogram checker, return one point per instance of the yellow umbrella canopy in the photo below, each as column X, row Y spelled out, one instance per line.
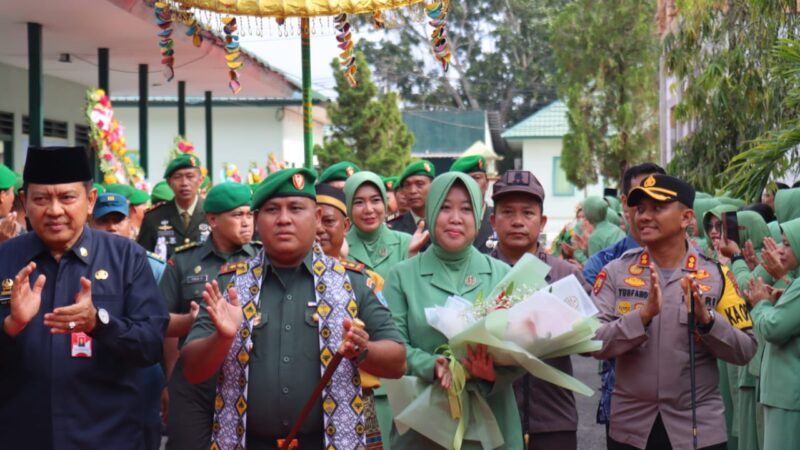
column 295, row 8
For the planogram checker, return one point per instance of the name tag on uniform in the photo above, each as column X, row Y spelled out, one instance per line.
column 192, row 279
column 81, row 345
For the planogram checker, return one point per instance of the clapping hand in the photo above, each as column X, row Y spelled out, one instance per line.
column 8, row 227
column 758, row 290
column 652, row 307
column 749, row 255
column 25, row 300
column 419, row 239
column 78, row 317
column 227, row 317
column 771, row 259
column 691, row 293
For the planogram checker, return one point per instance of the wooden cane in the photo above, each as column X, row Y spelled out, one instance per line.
column 286, row 444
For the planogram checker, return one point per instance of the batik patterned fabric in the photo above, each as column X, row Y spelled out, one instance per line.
column 342, row 398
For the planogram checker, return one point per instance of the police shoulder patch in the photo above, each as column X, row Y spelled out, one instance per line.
column 599, row 281
column 183, row 248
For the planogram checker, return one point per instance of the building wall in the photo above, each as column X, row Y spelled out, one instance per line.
column 538, row 157
column 240, row 134
column 63, row 101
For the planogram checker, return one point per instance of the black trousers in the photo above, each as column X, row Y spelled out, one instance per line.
column 658, row 440
column 561, row 440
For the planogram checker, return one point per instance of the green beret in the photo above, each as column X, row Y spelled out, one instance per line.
column 421, row 167
column 100, row 188
column 339, row 172
column 225, row 197
column 19, row 183
column 135, row 196
column 181, row 162
column 162, row 192
column 7, row 177
column 206, row 181
column 391, row 183
column 469, row 164
column 285, row 183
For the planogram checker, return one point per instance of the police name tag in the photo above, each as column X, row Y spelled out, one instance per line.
column 81, row 345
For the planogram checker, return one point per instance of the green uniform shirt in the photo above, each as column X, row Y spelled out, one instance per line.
column 284, row 363
column 191, row 267
column 423, row 282
column 164, row 221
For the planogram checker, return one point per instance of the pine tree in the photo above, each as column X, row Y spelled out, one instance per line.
column 367, row 130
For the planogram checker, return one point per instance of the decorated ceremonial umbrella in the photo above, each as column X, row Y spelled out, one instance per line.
column 229, row 13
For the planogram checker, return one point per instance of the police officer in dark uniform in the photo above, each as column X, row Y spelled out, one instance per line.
column 193, row 265
column 82, row 319
column 181, row 220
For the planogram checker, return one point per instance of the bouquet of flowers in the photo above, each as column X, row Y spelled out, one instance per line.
column 522, row 321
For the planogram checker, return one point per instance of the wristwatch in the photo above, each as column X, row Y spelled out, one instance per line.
column 707, row 327
column 102, row 317
column 361, row 356
column 736, row 257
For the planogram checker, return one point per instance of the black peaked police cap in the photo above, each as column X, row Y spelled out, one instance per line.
column 57, row 165
column 663, row 188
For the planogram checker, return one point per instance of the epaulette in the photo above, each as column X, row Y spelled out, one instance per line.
column 186, row 246
column 155, row 206
column 155, row 256
column 354, row 266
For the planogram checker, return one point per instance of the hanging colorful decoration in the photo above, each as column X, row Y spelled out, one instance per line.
column 377, row 20
column 437, row 12
column 164, row 21
column 233, row 53
column 193, row 28
column 346, row 57
column 107, row 139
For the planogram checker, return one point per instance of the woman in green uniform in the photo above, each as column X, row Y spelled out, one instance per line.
column 451, row 266
column 371, row 242
column 776, row 319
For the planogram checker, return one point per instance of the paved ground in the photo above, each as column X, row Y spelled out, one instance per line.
column 591, row 436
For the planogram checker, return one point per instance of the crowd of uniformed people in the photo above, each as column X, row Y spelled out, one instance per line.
column 265, row 316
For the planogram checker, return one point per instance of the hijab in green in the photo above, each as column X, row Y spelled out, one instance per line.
column 792, row 231
column 378, row 248
column 701, row 207
column 752, row 227
column 717, row 212
column 437, row 194
column 595, row 209
column 787, row 204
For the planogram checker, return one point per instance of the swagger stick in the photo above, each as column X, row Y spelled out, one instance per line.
column 692, row 382
column 286, row 444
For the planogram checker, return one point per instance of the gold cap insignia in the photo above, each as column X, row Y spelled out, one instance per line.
column 650, row 181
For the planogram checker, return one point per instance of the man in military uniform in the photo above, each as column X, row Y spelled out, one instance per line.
column 548, row 412
column 337, row 174
column 415, row 181
column 643, row 298
column 227, row 207
column 298, row 305
column 182, row 220
column 475, row 167
column 390, row 183
column 83, row 322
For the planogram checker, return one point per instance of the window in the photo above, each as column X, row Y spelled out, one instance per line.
column 82, row 135
column 561, row 186
column 52, row 128
column 7, row 138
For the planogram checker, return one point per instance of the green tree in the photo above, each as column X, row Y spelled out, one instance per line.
column 366, row 129
column 730, row 96
column 502, row 58
column 607, row 70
